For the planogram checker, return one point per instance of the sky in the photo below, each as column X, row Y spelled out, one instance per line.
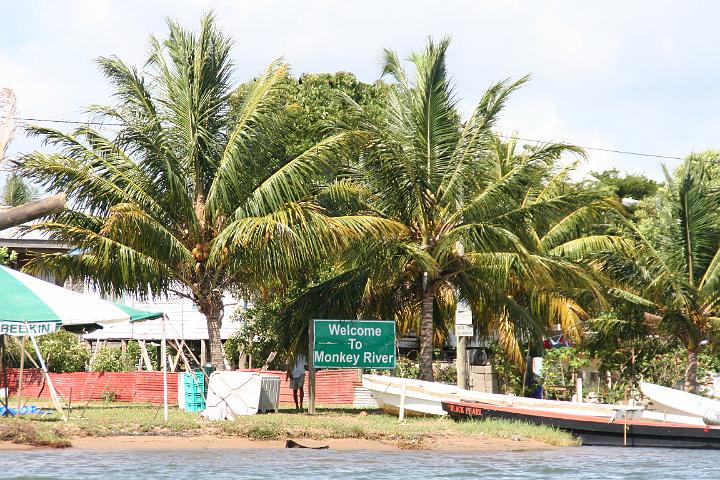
column 637, row 76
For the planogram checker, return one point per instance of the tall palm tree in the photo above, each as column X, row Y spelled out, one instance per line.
column 470, row 215
column 187, row 198
column 673, row 271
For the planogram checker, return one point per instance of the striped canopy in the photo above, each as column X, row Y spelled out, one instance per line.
column 32, row 306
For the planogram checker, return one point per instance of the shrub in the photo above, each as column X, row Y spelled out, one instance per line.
column 64, row 352
column 7, row 256
column 442, row 371
column 108, row 395
column 113, row 359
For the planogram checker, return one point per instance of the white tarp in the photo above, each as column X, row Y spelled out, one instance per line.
column 232, row 394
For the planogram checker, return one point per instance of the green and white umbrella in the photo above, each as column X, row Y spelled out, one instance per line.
column 30, row 306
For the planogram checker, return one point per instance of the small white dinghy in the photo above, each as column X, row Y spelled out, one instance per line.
column 669, row 400
column 425, row 398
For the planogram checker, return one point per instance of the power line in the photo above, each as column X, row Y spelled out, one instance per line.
column 622, row 152
column 74, row 122
column 507, row 137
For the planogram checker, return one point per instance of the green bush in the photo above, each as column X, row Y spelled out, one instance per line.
column 113, row 359
column 7, row 256
column 559, row 365
column 406, row 368
column 257, row 336
column 509, row 374
column 63, row 351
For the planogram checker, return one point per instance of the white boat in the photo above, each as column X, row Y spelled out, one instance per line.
column 676, row 402
column 424, row 398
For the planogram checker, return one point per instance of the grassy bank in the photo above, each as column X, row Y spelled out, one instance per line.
column 103, row 419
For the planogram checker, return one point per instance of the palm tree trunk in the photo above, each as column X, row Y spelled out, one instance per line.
column 426, row 335
column 691, row 384
column 214, row 322
column 30, row 211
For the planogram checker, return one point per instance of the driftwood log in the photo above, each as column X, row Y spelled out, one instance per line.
column 294, row 444
column 30, row 211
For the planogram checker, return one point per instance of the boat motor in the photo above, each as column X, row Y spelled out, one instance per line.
column 711, row 417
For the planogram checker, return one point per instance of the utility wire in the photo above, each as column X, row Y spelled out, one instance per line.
column 622, row 152
column 507, row 137
column 75, row 122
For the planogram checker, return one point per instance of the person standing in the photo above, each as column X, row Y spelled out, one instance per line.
column 296, row 375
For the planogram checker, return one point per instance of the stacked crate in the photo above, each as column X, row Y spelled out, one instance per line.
column 195, row 390
column 483, row 378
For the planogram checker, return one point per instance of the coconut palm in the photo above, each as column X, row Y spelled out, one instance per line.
column 477, row 220
column 673, row 271
column 186, row 197
column 16, row 191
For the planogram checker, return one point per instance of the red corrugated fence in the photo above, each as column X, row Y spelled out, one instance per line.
column 332, row 387
column 127, row 386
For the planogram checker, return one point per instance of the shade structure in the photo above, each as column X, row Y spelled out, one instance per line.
column 30, row 306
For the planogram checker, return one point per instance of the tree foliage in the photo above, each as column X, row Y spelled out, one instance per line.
column 629, row 185
column 187, row 197
column 483, row 222
column 673, row 269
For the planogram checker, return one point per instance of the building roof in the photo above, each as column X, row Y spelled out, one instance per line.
column 184, row 322
column 14, row 237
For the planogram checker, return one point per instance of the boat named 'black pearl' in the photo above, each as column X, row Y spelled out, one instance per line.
column 595, row 430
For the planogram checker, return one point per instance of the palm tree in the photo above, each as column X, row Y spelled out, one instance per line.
column 186, row 197
column 17, row 192
column 470, row 214
column 673, row 271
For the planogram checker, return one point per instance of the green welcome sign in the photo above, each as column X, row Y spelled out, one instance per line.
column 354, row 344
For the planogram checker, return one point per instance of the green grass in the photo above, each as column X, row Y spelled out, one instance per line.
column 107, row 419
column 514, row 429
column 25, row 433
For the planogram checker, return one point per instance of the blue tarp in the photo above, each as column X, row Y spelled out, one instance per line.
column 27, row 410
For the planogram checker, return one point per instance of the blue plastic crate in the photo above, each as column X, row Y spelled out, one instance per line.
column 195, row 406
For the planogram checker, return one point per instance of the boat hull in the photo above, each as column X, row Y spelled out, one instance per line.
column 424, row 398
column 598, row 431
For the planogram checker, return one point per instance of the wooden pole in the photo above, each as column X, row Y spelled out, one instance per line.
column 203, row 353
column 20, row 375
column 163, row 354
column 462, row 363
column 311, row 367
column 145, row 355
column 5, row 380
column 53, row 392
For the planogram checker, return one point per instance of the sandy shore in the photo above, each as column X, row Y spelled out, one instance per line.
column 7, row 446
column 444, row 443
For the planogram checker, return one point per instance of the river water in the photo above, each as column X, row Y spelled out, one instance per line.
column 566, row 463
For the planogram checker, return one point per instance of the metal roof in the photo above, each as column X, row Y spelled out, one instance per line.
column 184, row 322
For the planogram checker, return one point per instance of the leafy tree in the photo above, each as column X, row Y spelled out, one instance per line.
column 471, row 209
column 673, row 271
column 637, row 187
column 313, row 102
column 64, row 352
column 186, row 197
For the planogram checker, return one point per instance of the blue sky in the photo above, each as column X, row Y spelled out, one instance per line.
column 639, row 76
